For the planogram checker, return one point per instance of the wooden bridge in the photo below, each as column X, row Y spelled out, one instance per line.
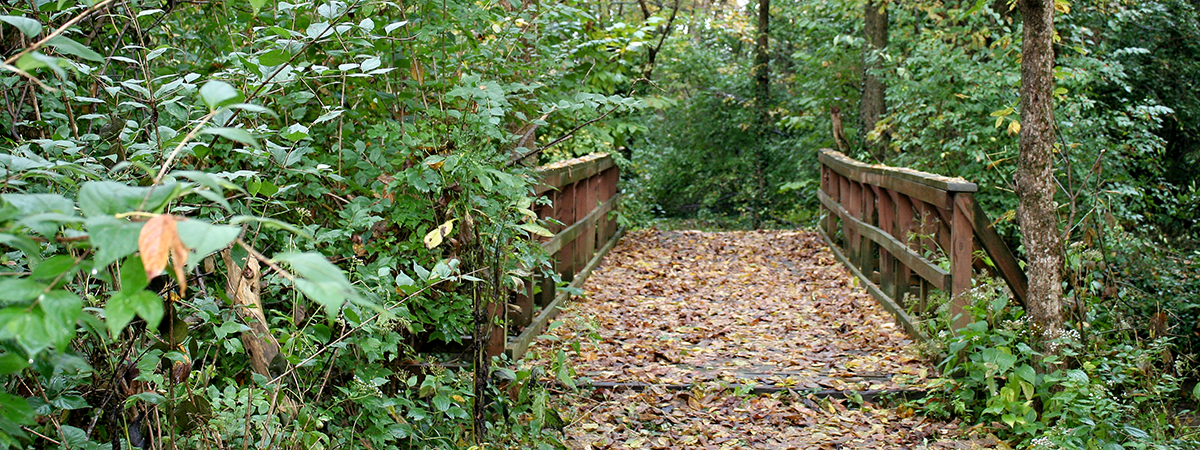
column 901, row 232
column 677, row 326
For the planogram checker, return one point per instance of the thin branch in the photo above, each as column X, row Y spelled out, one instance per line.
column 564, row 137
column 265, row 260
column 39, row 44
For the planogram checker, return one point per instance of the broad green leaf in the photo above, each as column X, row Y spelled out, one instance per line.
column 253, row 108
column 233, row 134
column 68, row 46
column 62, row 310
column 296, row 132
column 205, row 238
column 30, row 27
column 20, row 290
column 25, row 325
column 321, row 281
column 15, row 409
column 113, row 238
column 122, row 307
column 53, row 267
column 274, row 57
column 42, row 213
column 30, row 204
column 99, row 198
column 11, row 363
column 536, row 229
column 133, row 275
column 257, row 5
column 441, row 402
column 32, row 249
column 216, row 93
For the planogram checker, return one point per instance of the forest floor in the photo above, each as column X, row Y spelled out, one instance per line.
column 690, row 339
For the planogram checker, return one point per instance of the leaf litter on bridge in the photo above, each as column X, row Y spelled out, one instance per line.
column 695, row 319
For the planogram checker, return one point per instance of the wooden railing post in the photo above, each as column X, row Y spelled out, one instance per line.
column 962, row 244
column 904, row 229
column 867, row 259
column 887, row 222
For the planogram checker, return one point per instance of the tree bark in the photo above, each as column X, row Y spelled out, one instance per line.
column 1035, row 183
column 873, row 103
column 762, row 98
column 762, row 60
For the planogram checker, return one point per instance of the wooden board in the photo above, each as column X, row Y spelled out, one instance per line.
column 563, row 173
column 1002, row 257
column 930, row 188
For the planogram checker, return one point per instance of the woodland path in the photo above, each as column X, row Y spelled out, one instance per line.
column 734, row 339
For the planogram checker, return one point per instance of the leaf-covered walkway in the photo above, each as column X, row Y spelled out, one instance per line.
column 679, row 330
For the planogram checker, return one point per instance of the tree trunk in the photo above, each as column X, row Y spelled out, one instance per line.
column 762, row 97
column 1035, row 184
column 873, row 105
column 762, row 66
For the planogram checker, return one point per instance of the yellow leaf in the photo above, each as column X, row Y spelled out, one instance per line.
column 1014, row 127
column 434, row 238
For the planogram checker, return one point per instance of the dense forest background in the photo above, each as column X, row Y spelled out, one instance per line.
column 344, row 187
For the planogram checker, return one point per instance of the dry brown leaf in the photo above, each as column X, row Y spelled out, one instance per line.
column 158, row 243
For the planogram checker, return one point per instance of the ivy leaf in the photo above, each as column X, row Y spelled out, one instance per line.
column 321, row 281
column 233, row 134
column 30, row 27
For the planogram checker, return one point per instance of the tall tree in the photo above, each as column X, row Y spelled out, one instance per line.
column 762, row 63
column 762, row 97
column 1035, row 184
column 873, row 105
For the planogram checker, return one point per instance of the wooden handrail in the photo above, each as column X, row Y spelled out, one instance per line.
column 895, row 222
column 582, row 191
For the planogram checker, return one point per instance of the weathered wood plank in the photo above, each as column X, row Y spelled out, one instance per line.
column 962, row 244
column 569, row 234
column 563, row 173
column 1002, row 257
column 939, row 277
column 844, row 164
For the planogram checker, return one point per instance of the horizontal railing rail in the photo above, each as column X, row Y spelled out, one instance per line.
column 904, row 232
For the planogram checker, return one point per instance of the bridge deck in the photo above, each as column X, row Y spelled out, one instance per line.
column 676, row 315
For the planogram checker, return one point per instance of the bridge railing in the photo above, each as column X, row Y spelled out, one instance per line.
column 904, row 232
column 582, row 192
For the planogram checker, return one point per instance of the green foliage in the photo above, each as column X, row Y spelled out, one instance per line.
column 1092, row 389
column 323, row 140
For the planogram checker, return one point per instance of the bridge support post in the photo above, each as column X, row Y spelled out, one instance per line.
column 962, row 244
